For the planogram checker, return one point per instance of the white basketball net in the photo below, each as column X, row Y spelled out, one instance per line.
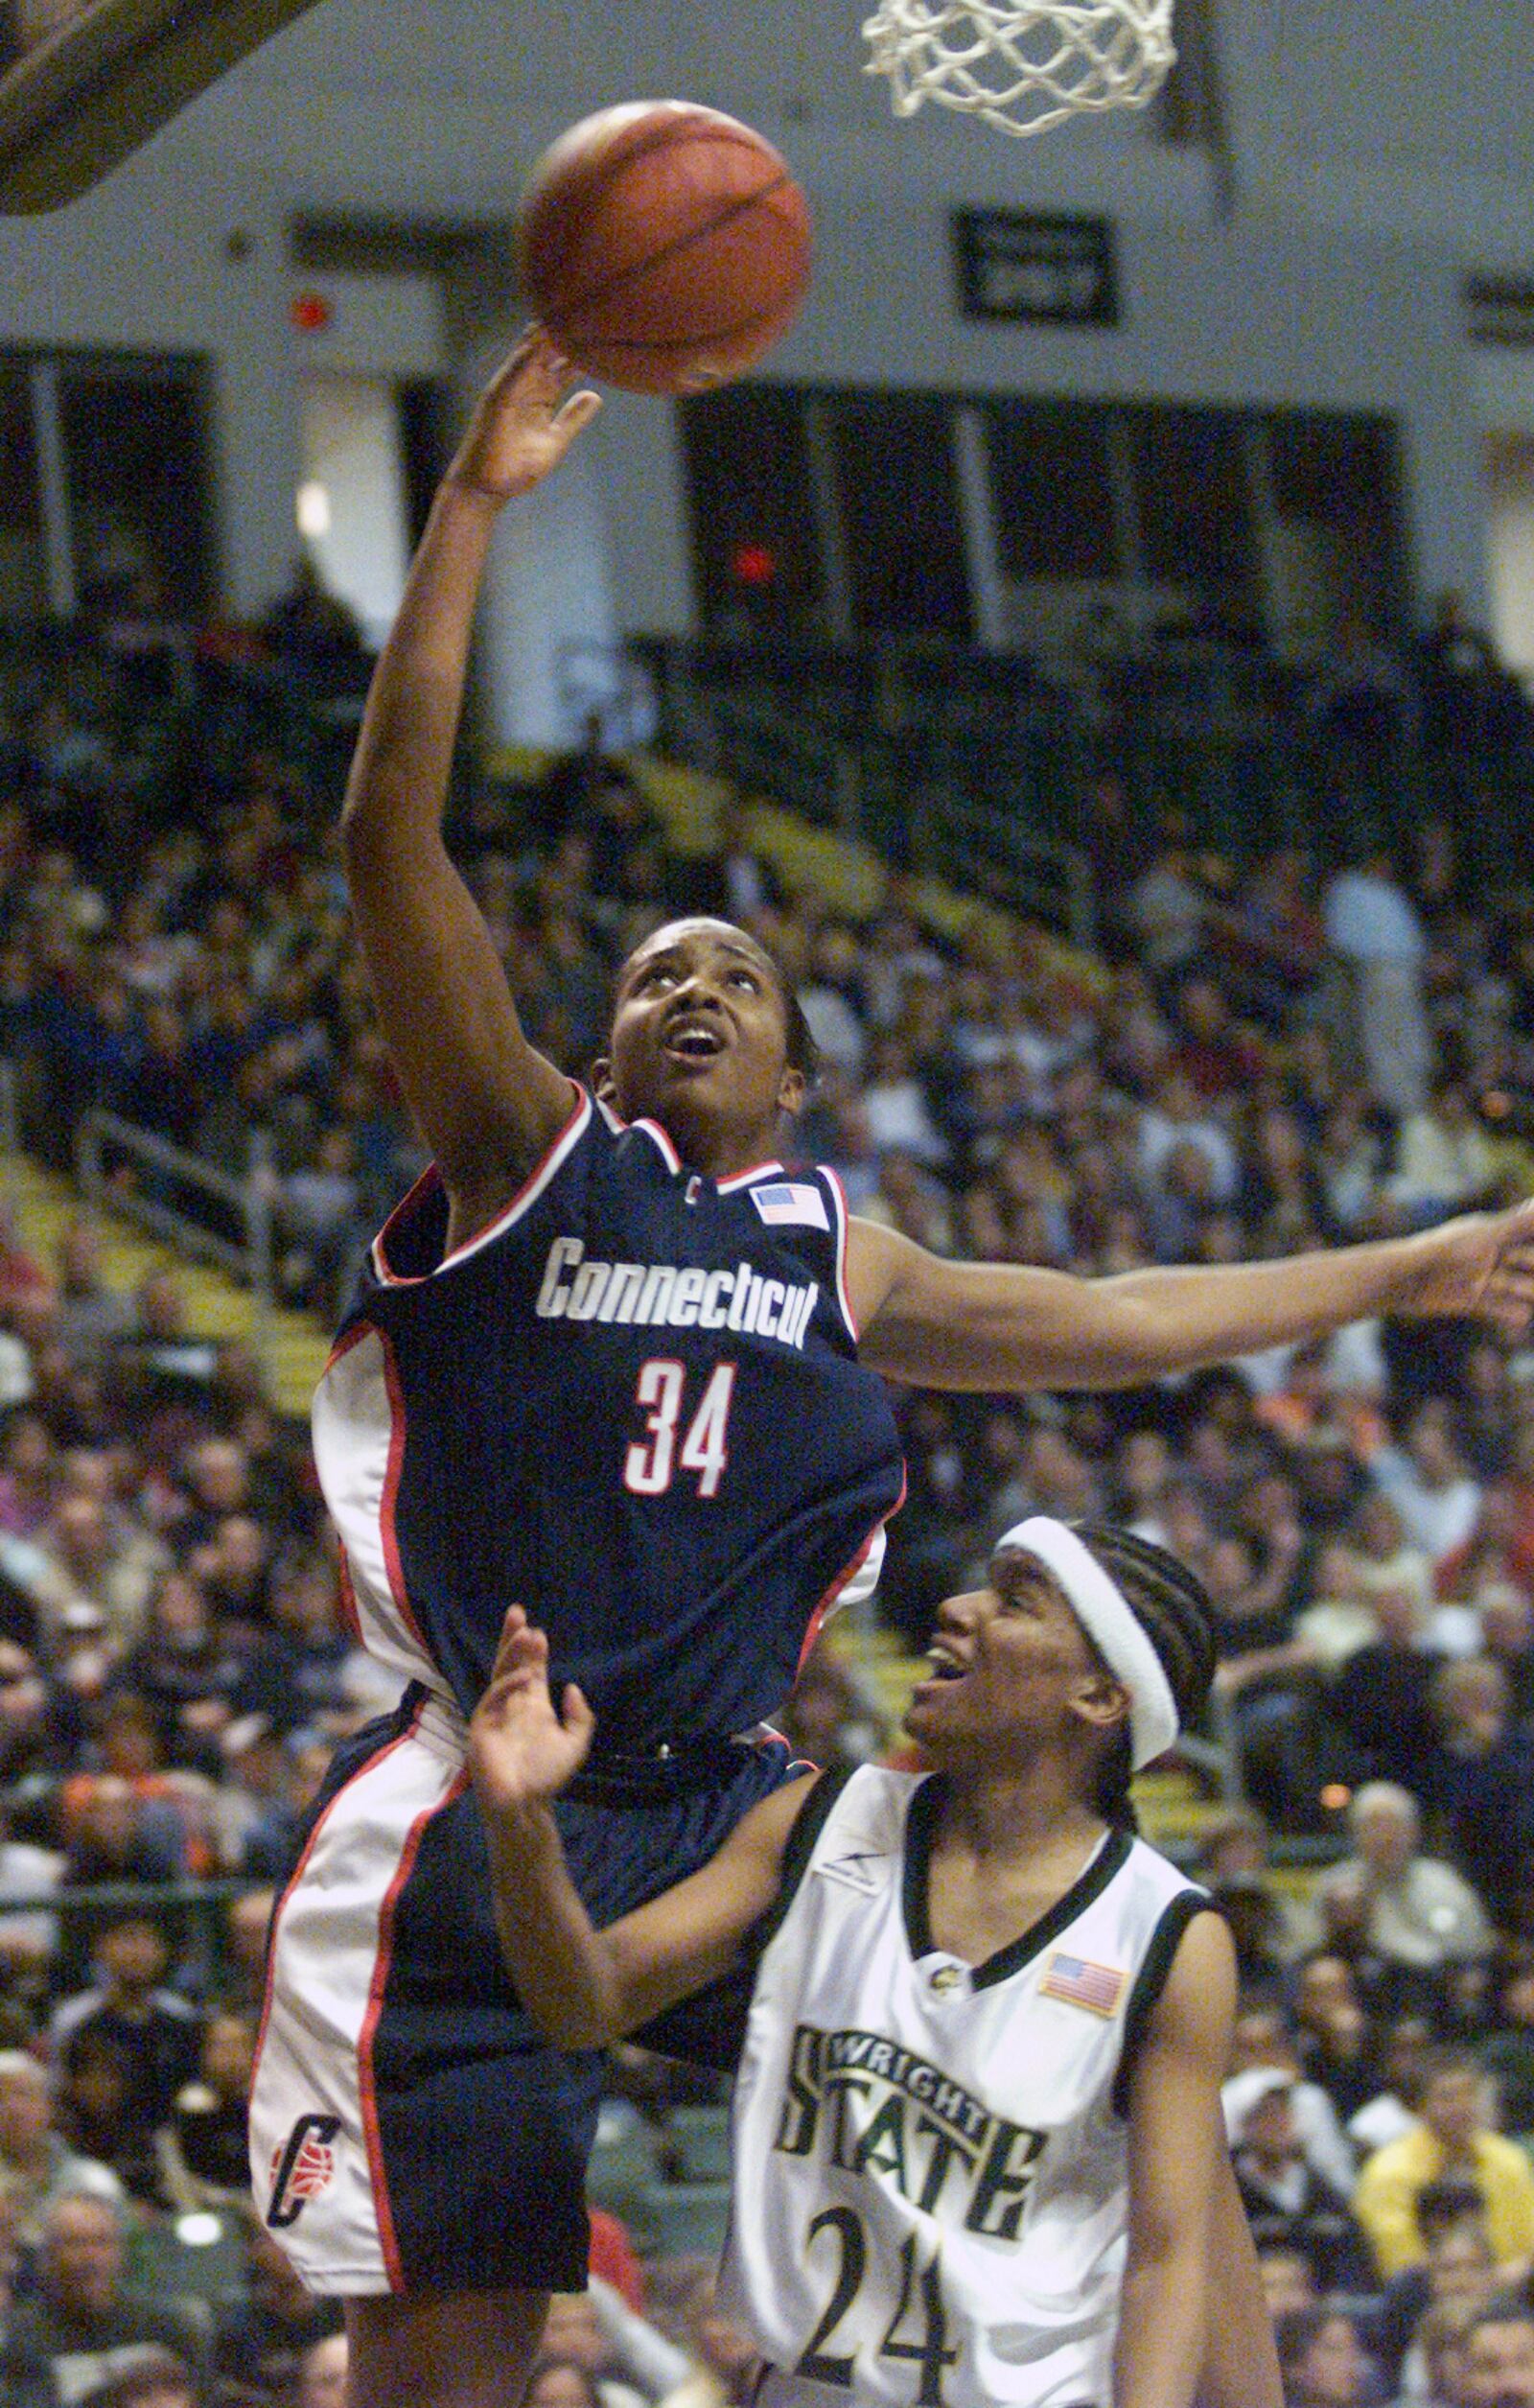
column 1025, row 66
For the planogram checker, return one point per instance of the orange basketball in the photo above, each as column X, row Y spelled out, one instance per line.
column 663, row 246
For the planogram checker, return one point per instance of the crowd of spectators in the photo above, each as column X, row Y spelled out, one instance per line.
column 1257, row 1056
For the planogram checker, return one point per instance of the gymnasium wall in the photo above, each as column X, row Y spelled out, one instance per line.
column 1366, row 186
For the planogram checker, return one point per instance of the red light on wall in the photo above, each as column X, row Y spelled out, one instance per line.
column 754, row 564
column 311, row 312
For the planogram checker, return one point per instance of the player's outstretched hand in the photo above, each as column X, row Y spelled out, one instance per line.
column 526, row 421
column 521, row 1747
column 1480, row 1265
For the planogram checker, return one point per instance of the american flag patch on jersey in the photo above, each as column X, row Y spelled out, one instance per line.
column 1083, row 1984
column 790, row 1199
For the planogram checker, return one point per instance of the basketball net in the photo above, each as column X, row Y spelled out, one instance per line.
column 1024, row 66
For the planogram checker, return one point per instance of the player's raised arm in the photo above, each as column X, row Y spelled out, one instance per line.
column 586, row 1988
column 996, row 1326
column 487, row 1103
column 1177, row 2139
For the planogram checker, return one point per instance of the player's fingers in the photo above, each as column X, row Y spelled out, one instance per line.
column 1508, row 1302
column 577, row 412
column 1514, row 1256
column 576, row 1715
column 535, row 371
column 521, row 1659
column 511, row 1630
column 528, row 1665
column 520, row 359
column 1510, row 1288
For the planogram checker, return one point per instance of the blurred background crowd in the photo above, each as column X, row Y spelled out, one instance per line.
column 1254, row 1053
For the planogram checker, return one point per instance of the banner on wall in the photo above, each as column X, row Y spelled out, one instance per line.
column 1036, row 270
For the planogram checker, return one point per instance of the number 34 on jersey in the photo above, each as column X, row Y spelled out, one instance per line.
column 654, row 1460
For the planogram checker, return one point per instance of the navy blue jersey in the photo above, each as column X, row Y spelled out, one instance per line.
column 631, row 1405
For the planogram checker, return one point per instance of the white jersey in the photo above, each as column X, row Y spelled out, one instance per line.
column 931, row 2199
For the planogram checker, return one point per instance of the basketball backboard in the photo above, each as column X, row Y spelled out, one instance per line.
column 82, row 82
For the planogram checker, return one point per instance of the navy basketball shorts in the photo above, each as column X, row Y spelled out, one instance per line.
column 410, row 2128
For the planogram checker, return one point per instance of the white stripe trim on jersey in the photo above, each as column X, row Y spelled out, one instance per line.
column 357, row 1425
column 673, row 1159
column 843, row 1232
column 744, row 1178
column 653, row 1130
column 856, row 1581
column 1104, row 1614
column 526, row 1196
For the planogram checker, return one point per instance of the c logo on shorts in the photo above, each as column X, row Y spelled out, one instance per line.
column 301, row 2168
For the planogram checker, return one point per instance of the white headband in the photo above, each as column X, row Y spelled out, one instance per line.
column 1104, row 1614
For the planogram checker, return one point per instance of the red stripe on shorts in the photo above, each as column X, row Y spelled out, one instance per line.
column 301, row 1867
column 372, row 2140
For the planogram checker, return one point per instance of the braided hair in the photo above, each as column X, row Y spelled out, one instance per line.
column 1169, row 1604
column 803, row 1053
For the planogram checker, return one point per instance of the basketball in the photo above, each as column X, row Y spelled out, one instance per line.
column 663, row 246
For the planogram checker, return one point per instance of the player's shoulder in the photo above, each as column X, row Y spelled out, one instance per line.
column 858, row 1812
column 1159, row 1909
column 1148, row 1869
column 417, row 1241
column 849, row 1818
